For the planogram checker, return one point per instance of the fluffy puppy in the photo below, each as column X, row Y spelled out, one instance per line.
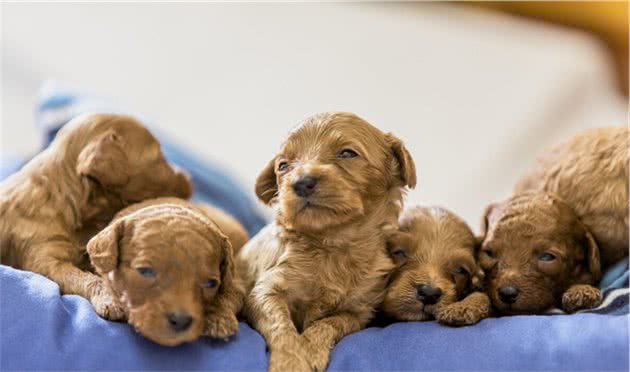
column 97, row 165
column 317, row 272
column 169, row 264
column 436, row 273
column 547, row 245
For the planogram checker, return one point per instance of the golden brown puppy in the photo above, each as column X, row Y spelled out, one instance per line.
column 317, row 272
column 169, row 265
column 547, row 245
column 436, row 274
column 97, row 165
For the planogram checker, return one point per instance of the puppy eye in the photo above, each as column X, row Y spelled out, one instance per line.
column 210, row 283
column 347, row 154
column 461, row 271
column 489, row 253
column 147, row 272
column 547, row 257
column 283, row 166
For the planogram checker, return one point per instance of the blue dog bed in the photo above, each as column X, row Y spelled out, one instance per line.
column 42, row 330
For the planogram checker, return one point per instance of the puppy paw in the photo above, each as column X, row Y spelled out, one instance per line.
column 288, row 359
column 581, row 297
column 317, row 353
column 220, row 325
column 106, row 306
column 466, row 312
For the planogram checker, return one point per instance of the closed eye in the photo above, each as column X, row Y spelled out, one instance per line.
column 210, row 283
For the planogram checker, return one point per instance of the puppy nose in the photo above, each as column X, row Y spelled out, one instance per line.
column 508, row 294
column 179, row 321
column 428, row 295
column 305, row 186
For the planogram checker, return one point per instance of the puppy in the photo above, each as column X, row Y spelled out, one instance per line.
column 317, row 272
column 97, row 165
column 436, row 273
column 169, row 265
column 547, row 245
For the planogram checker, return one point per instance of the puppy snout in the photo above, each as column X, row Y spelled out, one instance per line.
column 427, row 294
column 305, row 186
column 179, row 321
column 508, row 294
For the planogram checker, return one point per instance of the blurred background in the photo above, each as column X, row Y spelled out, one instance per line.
column 475, row 90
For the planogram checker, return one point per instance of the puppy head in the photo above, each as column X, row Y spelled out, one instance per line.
column 534, row 247
column 120, row 156
column 435, row 254
column 333, row 169
column 165, row 264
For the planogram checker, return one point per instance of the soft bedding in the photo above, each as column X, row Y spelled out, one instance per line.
column 41, row 330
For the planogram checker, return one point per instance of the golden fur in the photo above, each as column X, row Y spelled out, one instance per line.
column 169, row 264
column 97, row 165
column 434, row 250
column 567, row 221
column 317, row 272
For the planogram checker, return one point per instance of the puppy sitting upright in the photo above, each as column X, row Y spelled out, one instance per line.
column 97, row 165
column 436, row 273
column 169, row 265
column 547, row 245
column 321, row 267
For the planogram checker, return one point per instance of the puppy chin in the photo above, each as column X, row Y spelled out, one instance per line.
column 153, row 325
column 318, row 214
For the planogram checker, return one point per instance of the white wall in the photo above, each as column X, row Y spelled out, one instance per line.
column 474, row 95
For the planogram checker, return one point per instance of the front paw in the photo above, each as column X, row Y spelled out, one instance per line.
column 221, row 325
column 106, row 306
column 466, row 312
column 289, row 359
column 317, row 353
column 581, row 297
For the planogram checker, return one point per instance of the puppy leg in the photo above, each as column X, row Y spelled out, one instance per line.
column 581, row 297
column 221, row 321
column 72, row 280
column 322, row 335
column 470, row 310
column 268, row 312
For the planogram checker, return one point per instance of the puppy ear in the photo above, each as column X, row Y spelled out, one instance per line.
column 266, row 182
column 407, row 167
column 227, row 265
column 104, row 159
column 103, row 248
column 592, row 257
column 485, row 222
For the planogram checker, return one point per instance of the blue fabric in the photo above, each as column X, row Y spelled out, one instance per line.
column 42, row 330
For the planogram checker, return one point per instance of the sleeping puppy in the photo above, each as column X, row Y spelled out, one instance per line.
column 436, row 273
column 547, row 245
column 317, row 272
column 97, row 165
column 169, row 265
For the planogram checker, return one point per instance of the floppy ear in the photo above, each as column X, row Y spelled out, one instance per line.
column 227, row 266
column 405, row 161
column 592, row 257
column 103, row 248
column 104, row 159
column 485, row 222
column 221, row 318
column 266, row 182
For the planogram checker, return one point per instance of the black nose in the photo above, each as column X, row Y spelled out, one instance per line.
column 508, row 294
column 428, row 295
column 179, row 321
column 305, row 186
